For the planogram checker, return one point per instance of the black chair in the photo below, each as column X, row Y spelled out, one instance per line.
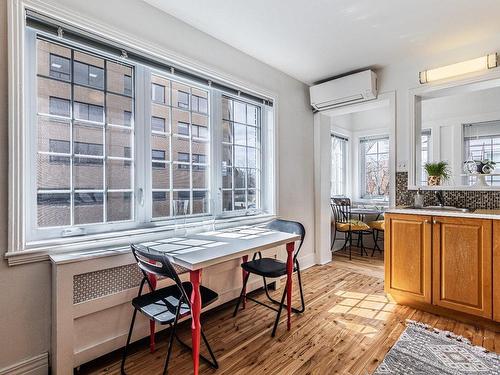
column 166, row 305
column 273, row 268
column 344, row 223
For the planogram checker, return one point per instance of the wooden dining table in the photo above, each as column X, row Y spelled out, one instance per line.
column 198, row 251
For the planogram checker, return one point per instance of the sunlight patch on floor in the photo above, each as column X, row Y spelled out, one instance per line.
column 363, row 329
column 369, row 306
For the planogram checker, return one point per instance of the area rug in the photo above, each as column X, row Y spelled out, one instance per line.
column 424, row 350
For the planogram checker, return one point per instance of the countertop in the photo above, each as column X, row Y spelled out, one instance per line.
column 477, row 214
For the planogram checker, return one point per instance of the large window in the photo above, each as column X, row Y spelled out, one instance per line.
column 339, row 165
column 180, row 150
column 116, row 144
column 84, row 174
column 374, row 167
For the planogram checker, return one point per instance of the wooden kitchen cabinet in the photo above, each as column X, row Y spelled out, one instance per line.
column 408, row 245
column 496, row 270
column 442, row 263
column 462, row 259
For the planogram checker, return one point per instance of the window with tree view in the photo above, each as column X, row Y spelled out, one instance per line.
column 374, row 167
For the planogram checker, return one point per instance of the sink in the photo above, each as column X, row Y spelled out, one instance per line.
column 444, row 208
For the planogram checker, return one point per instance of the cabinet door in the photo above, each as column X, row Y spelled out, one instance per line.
column 462, row 251
column 408, row 242
column 496, row 270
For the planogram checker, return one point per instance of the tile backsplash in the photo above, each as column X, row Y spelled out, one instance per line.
column 458, row 198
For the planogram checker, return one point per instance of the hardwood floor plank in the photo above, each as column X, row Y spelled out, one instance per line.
column 348, row 327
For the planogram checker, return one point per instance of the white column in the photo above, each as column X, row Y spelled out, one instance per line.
column 322, row 162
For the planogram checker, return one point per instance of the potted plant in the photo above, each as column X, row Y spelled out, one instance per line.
column 437, row 172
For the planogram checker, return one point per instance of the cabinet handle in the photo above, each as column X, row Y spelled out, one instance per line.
column 435, row 222
column 427, row 222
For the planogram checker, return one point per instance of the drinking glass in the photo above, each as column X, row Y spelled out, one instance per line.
column 181, row 209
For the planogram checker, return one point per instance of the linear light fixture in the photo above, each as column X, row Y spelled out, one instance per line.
column 464, row 67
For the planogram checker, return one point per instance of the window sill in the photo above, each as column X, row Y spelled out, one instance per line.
column 115, row 243
column 372, row 202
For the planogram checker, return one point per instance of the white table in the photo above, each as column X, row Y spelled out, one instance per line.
column 198, row 251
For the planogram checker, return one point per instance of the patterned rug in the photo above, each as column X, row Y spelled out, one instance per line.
column 424, row 350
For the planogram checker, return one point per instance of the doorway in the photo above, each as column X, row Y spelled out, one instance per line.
column 357, row 142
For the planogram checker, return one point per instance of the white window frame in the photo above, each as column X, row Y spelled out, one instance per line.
column 20, row 250
column 345, row 151
column 33, row 232
column 260, row 191
column 425, row 133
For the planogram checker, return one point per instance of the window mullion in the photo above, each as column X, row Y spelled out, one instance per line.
column 215, row 161
column 143, row 145
column 71, row 136
column 104, row 148
column 191, row 168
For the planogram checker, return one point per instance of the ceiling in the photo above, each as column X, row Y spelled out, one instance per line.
column 315, row 40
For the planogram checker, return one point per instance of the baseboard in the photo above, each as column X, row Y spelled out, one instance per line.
column 306, row 261
column 38, row 365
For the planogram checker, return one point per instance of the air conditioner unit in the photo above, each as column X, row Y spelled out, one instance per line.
column 350, row 89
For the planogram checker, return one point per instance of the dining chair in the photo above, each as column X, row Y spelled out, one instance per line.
column 166, row 305
column 274, row 268
column 378, row 227
column 344, row 223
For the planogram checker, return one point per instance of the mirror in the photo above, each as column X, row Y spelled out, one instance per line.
column 456, row 128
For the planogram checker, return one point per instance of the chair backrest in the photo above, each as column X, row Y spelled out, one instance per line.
column 341, row 208
column 293, row 227
column 156, row 263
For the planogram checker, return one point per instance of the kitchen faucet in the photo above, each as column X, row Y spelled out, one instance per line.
column 439, row 197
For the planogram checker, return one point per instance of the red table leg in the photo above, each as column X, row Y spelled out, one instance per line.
column 152, row 280
column 289, row 271
column 244, row 275
column 195, row 278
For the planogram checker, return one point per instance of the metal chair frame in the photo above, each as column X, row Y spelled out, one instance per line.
column 376, row 237
column 281, row 304
column 341, row 208
column 158, row 264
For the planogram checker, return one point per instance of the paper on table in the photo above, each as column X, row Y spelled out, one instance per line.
column 192, row 242
column 168, row 247
column 188, row 250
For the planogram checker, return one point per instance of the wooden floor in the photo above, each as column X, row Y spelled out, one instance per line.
column 348, row 327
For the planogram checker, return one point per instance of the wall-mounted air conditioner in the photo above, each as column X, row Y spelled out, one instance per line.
column 350, row 89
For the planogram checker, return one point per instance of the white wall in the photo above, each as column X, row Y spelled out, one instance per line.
column 25, row 290
column 402, row 75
